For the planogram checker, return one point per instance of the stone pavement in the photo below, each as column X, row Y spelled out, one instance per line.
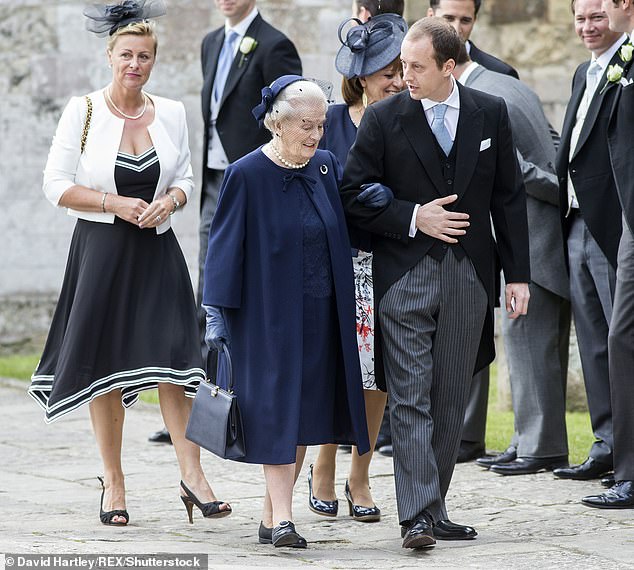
column 49, row 500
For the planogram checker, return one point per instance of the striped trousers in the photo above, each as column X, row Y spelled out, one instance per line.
column 431, row 326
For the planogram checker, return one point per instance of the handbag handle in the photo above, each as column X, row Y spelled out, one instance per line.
column 225, row 350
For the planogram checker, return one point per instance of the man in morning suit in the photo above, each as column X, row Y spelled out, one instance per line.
column 462, row 14
column 536, row 345
column 231, row 89
column 238, row 60
column 447, row 153
column 620, row 340
column 591, row 222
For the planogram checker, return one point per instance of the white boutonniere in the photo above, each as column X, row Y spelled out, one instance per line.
column 247, row 45
column 626, row 52
column 615, row 72
column 613, row 75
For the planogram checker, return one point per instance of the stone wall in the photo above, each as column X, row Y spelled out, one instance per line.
column 46, row 56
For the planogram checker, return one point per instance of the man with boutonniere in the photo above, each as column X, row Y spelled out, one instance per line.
column 238, row 60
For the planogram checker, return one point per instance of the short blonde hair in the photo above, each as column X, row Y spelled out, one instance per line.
column 296, row 94
column 143, row 28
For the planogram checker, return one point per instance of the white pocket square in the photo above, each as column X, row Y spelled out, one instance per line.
column 486, row 143
column 625, row 82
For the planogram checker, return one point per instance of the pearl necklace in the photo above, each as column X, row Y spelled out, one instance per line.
column 131, row 117
column 285, row 162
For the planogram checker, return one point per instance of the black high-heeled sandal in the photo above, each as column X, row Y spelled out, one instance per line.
column 209, row 510
column 359, row 513
column 106, row 516
column 319, row 506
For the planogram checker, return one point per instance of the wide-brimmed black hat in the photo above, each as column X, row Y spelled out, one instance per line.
column 370, row 46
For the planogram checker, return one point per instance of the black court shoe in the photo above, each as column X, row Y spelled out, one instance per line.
column 318, row 506
column 209, row 510
column 107, row 516
column 359, row 513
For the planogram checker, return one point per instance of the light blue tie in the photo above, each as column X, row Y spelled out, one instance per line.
column 440, row 130
column 224, row 64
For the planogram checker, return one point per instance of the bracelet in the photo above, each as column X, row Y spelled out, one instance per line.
column 174, row 201
column 103, row 202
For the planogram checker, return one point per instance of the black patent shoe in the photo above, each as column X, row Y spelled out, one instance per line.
column 508, row 455
column 318, row 506
column 160, row 436
column 590, row 469
column 447, row 530
column 265, row 534
column 284, row 534
column 359, row 513
column 210, row 510
column 529, row 465
column 621, row 496
column 106, row 516
column 418, row 535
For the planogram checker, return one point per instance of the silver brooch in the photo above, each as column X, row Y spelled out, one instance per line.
column 323, row 169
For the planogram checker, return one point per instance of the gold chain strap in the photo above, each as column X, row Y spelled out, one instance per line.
column 84, row 134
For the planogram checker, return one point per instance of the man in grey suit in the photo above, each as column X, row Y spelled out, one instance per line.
column 537, row 345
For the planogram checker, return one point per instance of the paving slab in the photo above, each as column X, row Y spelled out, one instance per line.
column 49, row 502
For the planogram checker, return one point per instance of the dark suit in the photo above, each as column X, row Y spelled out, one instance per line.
column 592, row 237
column 395, row 146
column 274, row 55
column 621, row 348
column 490, row 61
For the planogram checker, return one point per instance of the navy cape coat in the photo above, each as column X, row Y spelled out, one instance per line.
column 254, row 270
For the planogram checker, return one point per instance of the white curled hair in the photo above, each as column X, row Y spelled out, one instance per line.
column 295, row 95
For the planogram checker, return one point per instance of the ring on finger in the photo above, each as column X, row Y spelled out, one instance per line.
column 158, row 218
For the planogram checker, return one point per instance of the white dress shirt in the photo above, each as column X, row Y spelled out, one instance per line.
column 451, row 122
column 216, row 155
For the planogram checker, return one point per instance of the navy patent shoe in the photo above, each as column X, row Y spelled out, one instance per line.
column 324, row 508
column 359, row 513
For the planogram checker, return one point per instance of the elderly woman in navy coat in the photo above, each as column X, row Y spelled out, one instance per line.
column 279, row 291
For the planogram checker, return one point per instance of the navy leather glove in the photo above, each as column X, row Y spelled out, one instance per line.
column 216, row 330
column 375, row 195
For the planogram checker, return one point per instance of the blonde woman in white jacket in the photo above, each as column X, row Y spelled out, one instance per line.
column 126, row 317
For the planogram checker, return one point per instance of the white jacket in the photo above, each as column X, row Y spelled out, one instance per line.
column 94, row 168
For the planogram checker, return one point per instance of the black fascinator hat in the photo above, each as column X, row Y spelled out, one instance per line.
column 106, row 19
column 370, row 46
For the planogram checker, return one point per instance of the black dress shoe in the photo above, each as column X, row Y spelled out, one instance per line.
column 160, row 436
column 589, row 469
column 418, row 535
column 447, row 530
column 529, row 465
column 470, row 450
column 319, row 506
column 265, row 534
column 386, row 450
column 621, row 496
column 284, row 534
column 510, row 454
column 608, row 482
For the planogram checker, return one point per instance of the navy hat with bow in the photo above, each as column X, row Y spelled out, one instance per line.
column 370, row 46
column 270, row 93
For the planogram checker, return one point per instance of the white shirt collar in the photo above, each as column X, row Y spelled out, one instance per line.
column 241, row 27
column 452, row 101
column 604, row 59
column 467, row 72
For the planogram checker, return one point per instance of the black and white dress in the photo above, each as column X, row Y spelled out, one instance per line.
column 126, row 316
